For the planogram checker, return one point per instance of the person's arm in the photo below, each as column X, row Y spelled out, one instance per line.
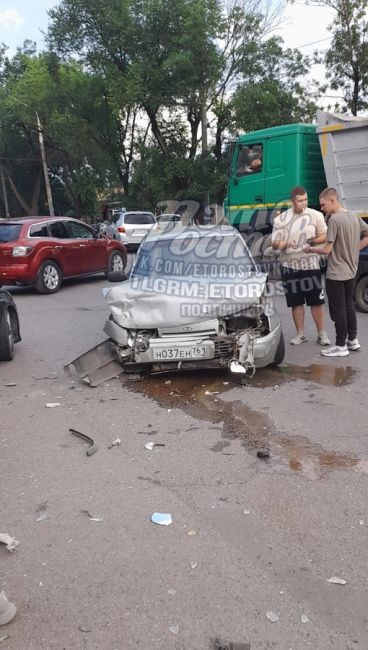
column 363, row 242
column 321, row 231
column 325, row 250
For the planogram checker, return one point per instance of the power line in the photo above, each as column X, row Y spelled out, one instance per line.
column 298, row 47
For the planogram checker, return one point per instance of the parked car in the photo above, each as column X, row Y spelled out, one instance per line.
column 42, row 251
column 194, row 299
column 361, row 283
column 9, row 326
column 131, row 227
column 169, row 221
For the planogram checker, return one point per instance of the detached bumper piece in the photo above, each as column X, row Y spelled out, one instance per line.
column 95, row 366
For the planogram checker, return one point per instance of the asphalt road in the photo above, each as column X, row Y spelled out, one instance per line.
column 248, row 537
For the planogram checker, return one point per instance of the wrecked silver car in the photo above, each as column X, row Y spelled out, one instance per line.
column 194, row 299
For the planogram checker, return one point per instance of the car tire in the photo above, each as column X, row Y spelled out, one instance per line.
column 361, row 294
column 6, row 337
column 280, row 352
column 49, row 278
column 116, row 262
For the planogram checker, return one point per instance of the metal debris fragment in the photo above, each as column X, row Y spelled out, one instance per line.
column 10, row 542
column 273, row 616
column 92, row 448
column 172, row 592
column 246, row 512
column 10, row 384
column 219, row 644
column 42, row 517
column 193, row 565
column 191, row 532
column 161, row 518
column 174, row 629
column 150, row 445
column 52, row 405
column 211, row 392
column 83, row 629
column 336, row 581
column 92, row 517
column 263, row 452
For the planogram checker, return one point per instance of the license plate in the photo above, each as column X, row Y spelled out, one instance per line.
column 139, row 232
column 182, row 353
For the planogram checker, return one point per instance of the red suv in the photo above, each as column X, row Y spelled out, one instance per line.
column 44, row 250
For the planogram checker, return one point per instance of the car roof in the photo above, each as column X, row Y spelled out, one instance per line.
column 220, row 230
column 31, row 220
column 138, row 212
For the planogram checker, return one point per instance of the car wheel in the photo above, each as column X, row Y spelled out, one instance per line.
column 6, row 337
column 280, row 352
column 361, row 294
column 116, row 262
column 49, row 277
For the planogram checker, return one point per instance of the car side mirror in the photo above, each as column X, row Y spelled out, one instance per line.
column 117, row 276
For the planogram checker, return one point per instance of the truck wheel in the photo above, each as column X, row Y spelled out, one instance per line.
column 361, row 294
column 280, row 352
column 6, row 337
column 49, row 277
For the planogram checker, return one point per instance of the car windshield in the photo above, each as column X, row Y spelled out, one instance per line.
column 142, row 218
column 9, row 232
column 205, row 257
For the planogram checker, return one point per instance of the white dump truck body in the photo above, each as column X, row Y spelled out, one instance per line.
column 344, row 146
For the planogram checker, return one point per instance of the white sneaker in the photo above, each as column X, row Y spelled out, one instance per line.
column 336, row 351
column 353, row 345
column 299, row 338
column 323, row 339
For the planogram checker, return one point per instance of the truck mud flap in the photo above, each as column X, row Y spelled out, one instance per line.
column 95, row 366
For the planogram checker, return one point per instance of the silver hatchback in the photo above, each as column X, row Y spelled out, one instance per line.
column 131, row 227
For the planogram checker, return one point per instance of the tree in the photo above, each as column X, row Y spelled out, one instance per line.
column 346, row 59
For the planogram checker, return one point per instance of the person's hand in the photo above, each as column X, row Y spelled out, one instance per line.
column 307, row 248
column 292, row 244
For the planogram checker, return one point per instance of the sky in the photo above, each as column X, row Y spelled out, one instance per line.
column 27, row 19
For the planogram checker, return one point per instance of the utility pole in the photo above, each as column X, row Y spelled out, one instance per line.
column 44, row 164
column 5, row 195
column 43, row 156
column 206, row 198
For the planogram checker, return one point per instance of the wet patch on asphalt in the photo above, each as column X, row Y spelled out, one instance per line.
column 199, row 394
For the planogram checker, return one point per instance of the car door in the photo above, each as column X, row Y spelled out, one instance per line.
column 66, row 249
column 92, row 250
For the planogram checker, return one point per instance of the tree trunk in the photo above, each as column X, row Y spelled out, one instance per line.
column 36, row 193
column 156, row 129
column 17, row 194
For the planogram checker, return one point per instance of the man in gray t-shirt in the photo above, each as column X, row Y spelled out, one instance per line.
column 347, row 234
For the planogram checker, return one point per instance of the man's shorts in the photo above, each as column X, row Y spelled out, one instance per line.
column 303, row 287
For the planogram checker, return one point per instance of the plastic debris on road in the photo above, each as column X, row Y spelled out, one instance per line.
column 336, row 581
column 193, row 565
column 9, row 384
column 191, row 532
column 10, row 542
column 115, row 443
column 172, row 592
column 52, row 405
column 273, row 616
column 219, row 644
column 304, row 618
column 42, row 517
column 92, row 517
column 7, row 609
column 161, row 518
column 149, row 445
column 174, row 629
column 246, row 512
column 211, row 392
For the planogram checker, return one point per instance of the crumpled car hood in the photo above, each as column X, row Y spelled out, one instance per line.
column 154, row 302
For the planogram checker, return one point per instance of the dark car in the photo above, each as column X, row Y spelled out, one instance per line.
column 361, row 284
column 9, row 326
column 42, row 251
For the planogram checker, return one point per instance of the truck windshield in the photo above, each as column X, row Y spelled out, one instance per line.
column 9, row 232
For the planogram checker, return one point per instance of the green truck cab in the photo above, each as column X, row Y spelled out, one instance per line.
column 265, row 165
